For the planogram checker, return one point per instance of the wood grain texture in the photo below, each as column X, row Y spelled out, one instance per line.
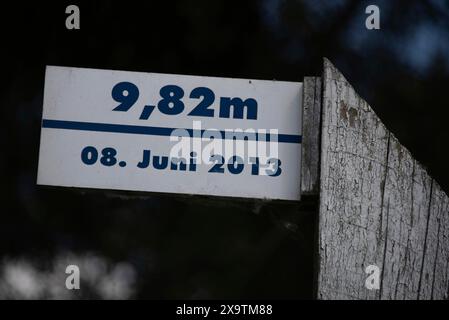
column 440, row 203
column 354, row 149
column 434, row 278
column 310, row 135
column 378, row 206
column 406, row 203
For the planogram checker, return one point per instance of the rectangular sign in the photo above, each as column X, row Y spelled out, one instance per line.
column 170, row 133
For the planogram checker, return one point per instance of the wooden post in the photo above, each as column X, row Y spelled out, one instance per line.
column 378, row 206
column 311, row 118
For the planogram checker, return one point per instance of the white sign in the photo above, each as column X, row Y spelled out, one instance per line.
column 170, row 133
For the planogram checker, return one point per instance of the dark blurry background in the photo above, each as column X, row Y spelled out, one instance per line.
column 192, row 247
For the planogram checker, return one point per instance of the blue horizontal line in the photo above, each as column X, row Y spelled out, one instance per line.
column 155, row 131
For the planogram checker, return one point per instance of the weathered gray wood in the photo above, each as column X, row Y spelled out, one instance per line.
column 310, row 135
column 378, row 206
column 434, row 278
column 406, row 204
column 440, row 203
column 354, row 150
